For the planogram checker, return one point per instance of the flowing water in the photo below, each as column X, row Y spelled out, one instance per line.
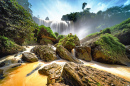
column 18, row 76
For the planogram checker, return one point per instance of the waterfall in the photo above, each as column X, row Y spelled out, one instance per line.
column 62, row 27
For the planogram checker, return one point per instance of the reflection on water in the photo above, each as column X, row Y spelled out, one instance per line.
column 18, row 77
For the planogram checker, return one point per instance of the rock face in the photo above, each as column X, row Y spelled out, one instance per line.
column 79, row 75
column 29, row 57
column 57, row 84
column 46, row 36
column 45, row 52
column 65, row 54
column 69, row 42
column 107, row 49
column 7, row 47
column 53, row 71
column 83, row 52
column 124, row 37
column 45, row 41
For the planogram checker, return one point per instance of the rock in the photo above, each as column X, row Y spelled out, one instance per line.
column 45, row 52
column 57, row 84
column 79, row 75
column 124, row 36
column 128, row 51
column 45, row 35
column 8, row 47
column 45, row 41
column 65, row 54
column 107, row 49
column 29, row 57
column 69, row 42
column 53, row 71
column 83, row 52
column 1, row 71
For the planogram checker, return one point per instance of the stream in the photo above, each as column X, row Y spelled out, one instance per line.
column 26, row 75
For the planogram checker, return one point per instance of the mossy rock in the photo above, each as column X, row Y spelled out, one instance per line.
column 124, row 36
column 45, row 52
column 65, row 54
column 69, row 42
column 45, row 41
column 8, row 47
column 108, row 49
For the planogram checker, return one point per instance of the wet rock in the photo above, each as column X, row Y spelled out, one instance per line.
column 29, row 57
column 45, row 41
column 57, row 84
column 53, row 71
column 128, row 51
column 45, row 52
column 65, row 54
column 80, row 75
column 83, row 52
column 1, row 74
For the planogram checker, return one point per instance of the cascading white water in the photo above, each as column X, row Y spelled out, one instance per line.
column 62, row 27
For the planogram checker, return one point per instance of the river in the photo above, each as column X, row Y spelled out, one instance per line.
column 18, row 76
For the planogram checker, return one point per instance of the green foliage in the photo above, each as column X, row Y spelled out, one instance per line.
column 5, row 42
column 61, row 36
column 111, row 46
column 121, row 26
column 69, row 42
column 48, row 29
column 107, row 30
column 56, row 34
column 93, row 34
column 25, row 4
column 100, row 20
column 16, row 22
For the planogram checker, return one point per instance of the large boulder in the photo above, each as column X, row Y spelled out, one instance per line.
column 65, row 54
column 69, row 42
column 83, row 52
column 124, row 36
column 45, row 52
column 79, row 75
column 29, row 57
column 8, row 47
column 45, row 41
column 45, row 35
column 53, row 71
column 107, row 49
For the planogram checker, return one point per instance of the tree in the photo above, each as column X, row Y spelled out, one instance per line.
column 83, row 5
column 26, row 5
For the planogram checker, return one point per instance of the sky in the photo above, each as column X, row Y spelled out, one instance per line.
column 54, row 9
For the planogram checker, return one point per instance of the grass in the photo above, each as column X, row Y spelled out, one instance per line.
column 111, row 46
column 93, row 34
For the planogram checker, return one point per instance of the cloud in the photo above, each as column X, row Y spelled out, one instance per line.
column 127, row 2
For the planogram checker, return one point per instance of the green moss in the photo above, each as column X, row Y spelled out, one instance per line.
column 111, row 46
column 61, row 37
column 69, row 42
column 56, row 34
column 6, row 42
column 107, row 30
column 48, row 29
column 93, row 34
